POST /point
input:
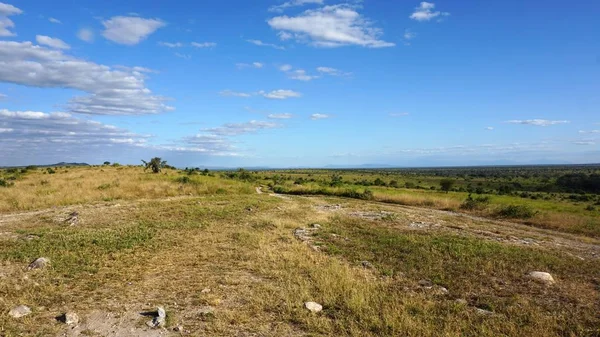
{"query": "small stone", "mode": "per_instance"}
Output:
(178, 328)
(39, 263)
(367, 264)
(71, 318)
(316, 225)
(20, 311)
(483, 312)
(206, 311)
(159, 320)
(313, 306)
(542, 277)
(461, 301)
(205, 291)
(426, 283)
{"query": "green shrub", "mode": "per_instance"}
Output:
(476, 203)
(6, 183)
(50, 170)
(184, 180)
(516, 211)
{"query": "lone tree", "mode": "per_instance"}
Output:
(155, 164)
(106, 163)
(446, 184)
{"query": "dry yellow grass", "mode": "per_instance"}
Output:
(79, 185)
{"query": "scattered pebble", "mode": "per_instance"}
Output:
(316, 225)
(483, 312)
(367, 264)
(542, 277)
(20, 311)
(205, 291)
(313, 306)
(39, 263)
(206, 311)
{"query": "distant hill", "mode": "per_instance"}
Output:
(62, 163)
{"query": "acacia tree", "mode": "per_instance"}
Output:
(446, 184)
(155, 164)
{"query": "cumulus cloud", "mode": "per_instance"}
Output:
(293, 3)
(111, 90)
(203, 44)
(315, 117)
(130, 30)
(280, 94)
(536, 122)
(264, 44)
(51, 42)
(425, 12)
(331, 26)
(86, 35)
(32, 135)
(6, 24)
(231, 93)
(38, 132)
(280, 116)
(53, 20)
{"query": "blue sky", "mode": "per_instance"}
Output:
(289, 83)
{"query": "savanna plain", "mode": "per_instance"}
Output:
(380, 252)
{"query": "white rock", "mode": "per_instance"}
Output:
(205, 290)
(483, 312)
(19, 311)
(542, 277)
(39, 263)
(71, 318)
(313, 306)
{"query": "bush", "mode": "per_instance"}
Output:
(50, 170)
(516, 211)
(183, 180)
(6, 183)
(476, 203)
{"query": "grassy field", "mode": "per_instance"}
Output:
(223, 261)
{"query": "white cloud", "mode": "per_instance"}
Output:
(280, 94)
(301, 75)
(591, 131)
(536, 122)
(398, 114)
(111, 91)
(584, 143)
(256, 65)
(7, 10)
(298, 74)
(284, 36)
(315, 117)
(53, 20)
(424, 12)
(230, 93)
(2, 96)
(331, 26)
(409, 35)
(171, 44)
(204, 44)
(130, 30)
(280, 116)
(293, 3)
(332, 71)
(86, 35)
(489, 128)
(236, 129)
(184, 56)
(52, 42)
(263, 44)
